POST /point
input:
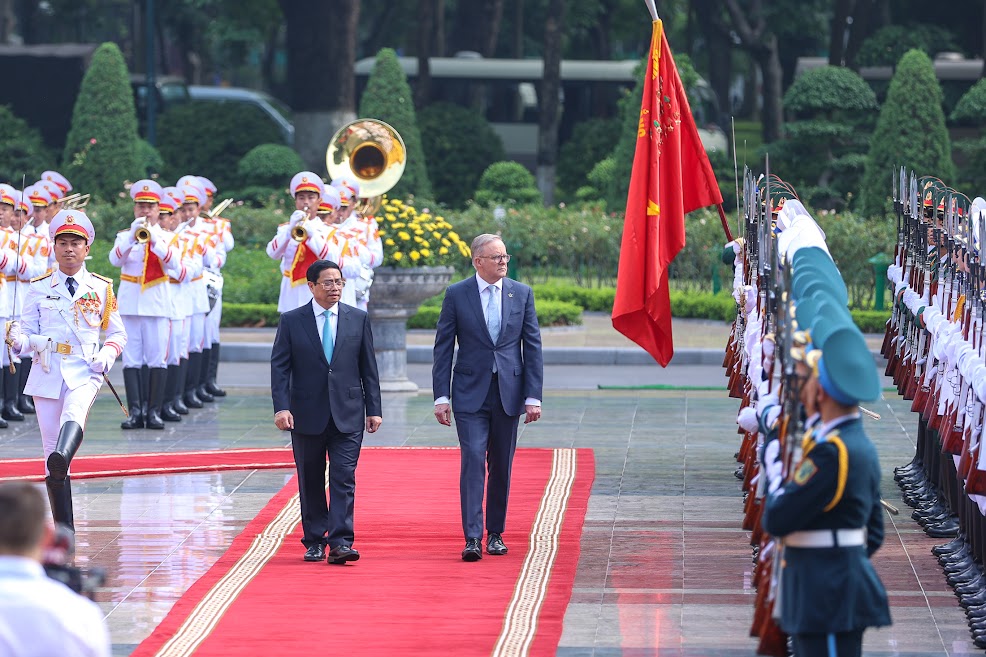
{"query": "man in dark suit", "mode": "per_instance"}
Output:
(323, 379)
(497, 378)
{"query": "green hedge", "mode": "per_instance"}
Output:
(597, 299)
(550, 313)
(701, 305)
(871, 321)
(250, 314)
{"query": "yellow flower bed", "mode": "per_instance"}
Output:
(414, 239)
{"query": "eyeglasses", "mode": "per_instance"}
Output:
(329, 285)
(499, 258)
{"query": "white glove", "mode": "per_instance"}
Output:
(747, 419)
(773, 466)
(103, 361)
(296, 216)
(14, 336)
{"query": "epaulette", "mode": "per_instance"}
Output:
(105, 279)
(125, 230)
(41, 277)
(284, 224)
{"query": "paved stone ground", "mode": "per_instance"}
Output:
(665, 568)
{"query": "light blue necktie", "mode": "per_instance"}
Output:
(328, 340)
(493, 313)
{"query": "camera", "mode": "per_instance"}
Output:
(56, 561)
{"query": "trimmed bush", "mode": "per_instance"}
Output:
(503, 182)
(870, 321)
(596, 299)
(269, 165)
(253, 315)
(257, 196)
(459, 144)
(23, 155)
(151, 162)
(910, 132)
(887, 45)
(388, 97)
(591, 142)
(101, 148)
(209, 139)
(971, 111)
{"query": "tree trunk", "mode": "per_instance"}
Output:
(477, 26)
(426, 29)
(321, 81)
(550, 115)
(439, 44)
(865, 17)
(770, 65)
(837, 31)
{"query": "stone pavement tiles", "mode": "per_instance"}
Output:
(665, 568)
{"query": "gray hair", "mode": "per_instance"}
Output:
(482, 240)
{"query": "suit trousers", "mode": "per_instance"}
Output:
(487, 441)
(330, 524)
(71, 406)
(842, 644)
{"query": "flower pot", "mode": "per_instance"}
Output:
(396, 294)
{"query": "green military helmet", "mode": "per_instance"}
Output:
(829, 318)
(806, 308)
(846, 369)
(728, 255)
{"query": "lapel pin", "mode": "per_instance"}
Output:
(510, 294)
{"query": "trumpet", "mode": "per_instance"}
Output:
(75, 201)
(298, 232)
(216, 211)
(143, 233)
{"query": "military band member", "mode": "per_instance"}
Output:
(203, 245)
(179, 277)
(368, 234)
(315, 243)
(64, 312)
(144, 254)
(223, 233)
(61, 182)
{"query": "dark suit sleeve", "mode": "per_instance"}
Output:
(368, 372)
(280, 367)
(874, 525)
(441, 368)
(533, 362)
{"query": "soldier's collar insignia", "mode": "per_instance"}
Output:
(805, 472)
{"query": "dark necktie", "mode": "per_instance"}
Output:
(71, 284)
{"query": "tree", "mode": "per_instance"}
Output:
(321, 77)
(910, 131)
(388, 98)
(456, 163)
(751, 26)
(971, 112)
(101, 147)
(22, 154)
(550, 115)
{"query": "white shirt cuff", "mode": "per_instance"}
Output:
(530, 401)
(441, 400)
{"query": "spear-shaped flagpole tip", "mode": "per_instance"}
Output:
(652, 8)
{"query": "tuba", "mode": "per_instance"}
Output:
(373, 153)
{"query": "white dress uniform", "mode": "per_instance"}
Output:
(62, 328)
(367, 233)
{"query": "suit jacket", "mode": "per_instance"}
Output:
(301, 381)
(517, 351)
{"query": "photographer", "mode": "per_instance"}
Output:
(39, 616)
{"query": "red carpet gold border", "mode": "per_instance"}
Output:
(207, 614)
(520, 622)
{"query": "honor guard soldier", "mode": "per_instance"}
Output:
(64, 312)
(203, 246)
(301, 241)
(223, 233)
(371, 254)
(144, 254)
(8, 269)
(828, 512)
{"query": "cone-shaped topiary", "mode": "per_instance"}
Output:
(388, 97)
(910, 132)
(101, 148)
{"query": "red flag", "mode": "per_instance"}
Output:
(671, 177)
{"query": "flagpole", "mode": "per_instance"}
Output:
(652, 8)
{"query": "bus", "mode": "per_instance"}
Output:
(589, 89)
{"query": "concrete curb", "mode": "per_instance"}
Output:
(259, 352)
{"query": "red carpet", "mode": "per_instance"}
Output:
(410, 594)
(156, 463)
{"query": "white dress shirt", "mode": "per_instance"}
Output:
(318, 309)
(40, 617)
(484, 301)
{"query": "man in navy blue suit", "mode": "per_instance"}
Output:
(324, 383)
(496, 378)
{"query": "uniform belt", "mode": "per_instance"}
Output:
(130, 279)
(65, 349)
(11, 277)
(826, 538)
(173, 281)
(197, 279)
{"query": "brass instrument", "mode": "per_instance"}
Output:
(143, 234)
(373, 153)
(75, 201)
(298, 232)
(216, 211)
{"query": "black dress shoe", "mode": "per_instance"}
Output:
(340, 554)
(947, 529)
(473, 550)
(494, 544)
(315, 553)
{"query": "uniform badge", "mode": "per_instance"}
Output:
(805, 472)
(90, 306)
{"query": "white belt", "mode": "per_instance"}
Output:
(826, 538)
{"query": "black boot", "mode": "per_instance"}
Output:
(178, 402)
(3, 423)
(11, 383)
(131, 383)
(200, 390)
(24, 402)
(60, 498)
(69, 440)
(158, 376)
(210, 385)
(192, 380)
(145, 390)
(168, 412)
